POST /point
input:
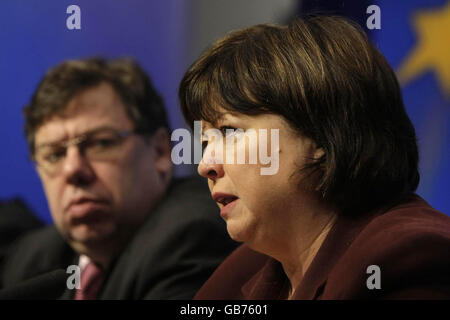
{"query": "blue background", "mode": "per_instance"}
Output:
(425, 101)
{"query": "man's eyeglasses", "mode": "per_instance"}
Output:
(97, 145)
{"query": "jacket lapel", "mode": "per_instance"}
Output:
(336, 243)
(272, 283)
(269, 283)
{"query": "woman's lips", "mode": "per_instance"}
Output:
(228, 201)
(227, 209)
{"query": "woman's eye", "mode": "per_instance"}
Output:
(227, 130)
(204, 145)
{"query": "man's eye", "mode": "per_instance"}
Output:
(54, 156)
(102, 142)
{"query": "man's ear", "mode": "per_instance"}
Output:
(160, 141)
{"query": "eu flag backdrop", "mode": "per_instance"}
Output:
(415, 38)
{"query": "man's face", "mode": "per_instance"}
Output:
(97, 203)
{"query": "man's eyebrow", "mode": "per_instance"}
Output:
(87, 132)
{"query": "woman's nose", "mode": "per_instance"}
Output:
(210, 167)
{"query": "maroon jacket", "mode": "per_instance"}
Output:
(409, 242)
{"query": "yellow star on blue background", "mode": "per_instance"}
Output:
(432, 51)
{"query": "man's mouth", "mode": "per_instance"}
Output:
(86, 210)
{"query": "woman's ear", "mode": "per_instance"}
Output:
(318, 153)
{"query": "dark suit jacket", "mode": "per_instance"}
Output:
(15, 219)
(409, 242)
(172, 254)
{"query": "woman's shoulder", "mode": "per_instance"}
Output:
(408, 246)
(409, 221)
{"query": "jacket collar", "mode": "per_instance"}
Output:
(272, 283)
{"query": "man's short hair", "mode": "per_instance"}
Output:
(142, 103)
(332, 85)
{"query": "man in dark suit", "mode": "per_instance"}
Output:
(98, 133)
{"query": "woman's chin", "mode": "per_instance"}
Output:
(237, 231)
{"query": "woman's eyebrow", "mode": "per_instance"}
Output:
(226, 116)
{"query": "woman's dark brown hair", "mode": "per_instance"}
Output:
(332, 85)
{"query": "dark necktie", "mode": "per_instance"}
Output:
(91, 280)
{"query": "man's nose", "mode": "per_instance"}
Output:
(76, 167)
(210, 168)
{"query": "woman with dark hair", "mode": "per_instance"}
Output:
(339, 219)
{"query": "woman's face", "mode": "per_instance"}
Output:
(258, 207)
